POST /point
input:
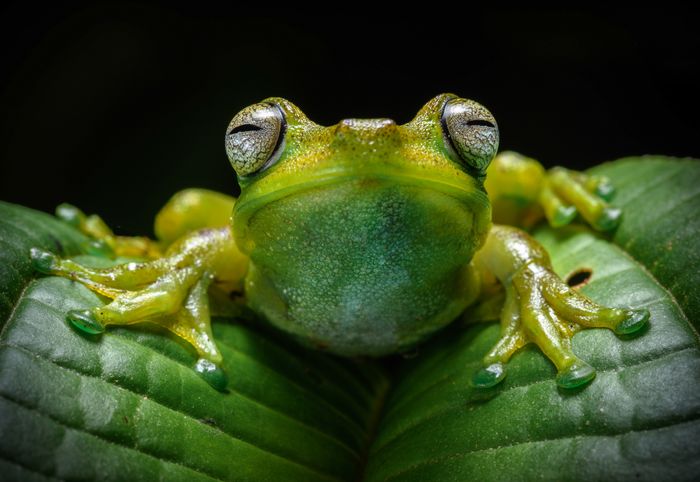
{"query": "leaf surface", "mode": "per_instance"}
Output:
(127, 405)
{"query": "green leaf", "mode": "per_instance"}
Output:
(127, 406)
(639, 419)
(660, 198)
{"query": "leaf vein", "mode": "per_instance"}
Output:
(141, 395)
(451, 409)
(622, 433)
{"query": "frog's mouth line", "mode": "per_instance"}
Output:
(466, 190)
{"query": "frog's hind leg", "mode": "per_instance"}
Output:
(521, 191)
(187, 211)
(104, 241)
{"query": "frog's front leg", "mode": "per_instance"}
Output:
(541, 309)
(170, 291)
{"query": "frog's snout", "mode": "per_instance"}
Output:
(365, 125)
(366, 132)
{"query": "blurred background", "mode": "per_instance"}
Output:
(116, 106)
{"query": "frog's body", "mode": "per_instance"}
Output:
(361, 238)
(358, 276)
(341, 258)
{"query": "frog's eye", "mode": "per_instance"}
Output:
(255, 138)
(470, 132)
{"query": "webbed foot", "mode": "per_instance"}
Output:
(541, 309)
(169, 291)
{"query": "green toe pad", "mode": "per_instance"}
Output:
(85, 320)
(576, 375)
(489, 376)
(213, 374)
(605, 191)
(99, 248)
(69, 214)
(633, 323)
(609, 219)
(563, 216)
(43, 261)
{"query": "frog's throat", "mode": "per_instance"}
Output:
(468, 190)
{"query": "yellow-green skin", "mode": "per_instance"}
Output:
(360, 236)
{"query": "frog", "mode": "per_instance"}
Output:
(361, 239)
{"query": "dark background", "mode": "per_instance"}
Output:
(115, 106)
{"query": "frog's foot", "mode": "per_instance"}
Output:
(103, 241)
(541, 309)
(565, 193)
(170, 292)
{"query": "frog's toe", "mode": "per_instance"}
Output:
(608, 219)
(571, 305)
(70, 214)
(43, 261)
(562, 215)
(635, 321)
(212, 373)
(588, 194)
(576, 375)
(598, 185)
(489, 376)
(86, 321)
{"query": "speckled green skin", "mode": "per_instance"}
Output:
(360, 236)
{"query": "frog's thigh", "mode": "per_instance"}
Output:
(190, 210)
(541, 309)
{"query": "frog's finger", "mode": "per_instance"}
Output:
(92, 225)
(593, 209)
(572, 305)
(104, 242)
(110, 282)
(601, 186)
(557, 213)
(544, 327)
(511, 340)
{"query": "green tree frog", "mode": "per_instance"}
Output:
(360, 239)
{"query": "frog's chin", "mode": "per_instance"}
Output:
(464, 188)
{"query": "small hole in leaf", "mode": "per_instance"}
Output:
(579, 278)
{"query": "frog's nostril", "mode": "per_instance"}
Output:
(365, 125)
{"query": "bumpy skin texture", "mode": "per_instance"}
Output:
(361, 245)
(362, 238)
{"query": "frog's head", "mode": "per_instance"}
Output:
(281, 157)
